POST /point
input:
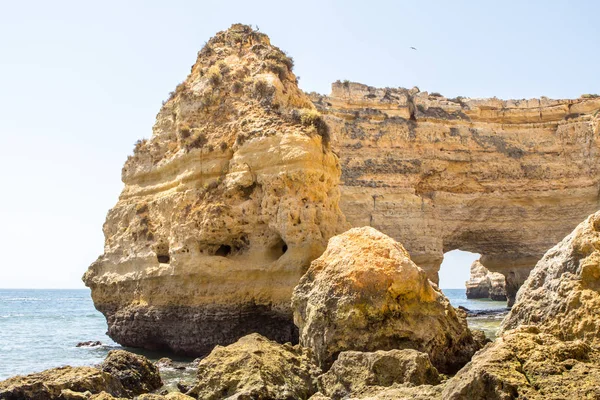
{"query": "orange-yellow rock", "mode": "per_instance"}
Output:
(364, 293)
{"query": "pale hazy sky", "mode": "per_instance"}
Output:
(81, 81)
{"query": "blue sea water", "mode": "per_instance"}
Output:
(39, 329)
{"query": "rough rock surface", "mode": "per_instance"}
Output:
(136, 373)
(60, 383)
(483, 284)
(223, 208)
(355, 372)
(365, 294)
(562, 294)
(256, 368)
(480, 175)
(527, 364)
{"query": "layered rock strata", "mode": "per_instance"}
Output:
(483, 284)
(364, 293)
(505, 179)
(223, 208)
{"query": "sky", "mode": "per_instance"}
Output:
(81, 81)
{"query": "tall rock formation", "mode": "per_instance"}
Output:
(483, 284)
(224, 207)
(505, 179)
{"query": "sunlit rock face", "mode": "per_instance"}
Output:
(223, 208)
(483, 284)
(505, 179)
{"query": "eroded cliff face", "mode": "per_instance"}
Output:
(224, 207)
(505, 179)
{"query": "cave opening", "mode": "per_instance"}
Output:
(278, 248)
(162, 253)
(163, 258)
(224, 250)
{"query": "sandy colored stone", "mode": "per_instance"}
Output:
(53, 383)
(527, 364)
(562, 294)
(365, 294)
(483, 284)
(355, 372)
(479, 175)
(256, 368)
(223, 208)
(169, 396)
(137, 374)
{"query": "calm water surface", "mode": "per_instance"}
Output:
(39, 329)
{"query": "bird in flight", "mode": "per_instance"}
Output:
(414, 48)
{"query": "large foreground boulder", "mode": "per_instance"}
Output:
(562, 294)
(60, 383)
(356, 372)
(365, 294)
(121, 375)
(137, 374)
(527, 364)
(256, 368)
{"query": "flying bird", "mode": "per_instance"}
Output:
(414, 48)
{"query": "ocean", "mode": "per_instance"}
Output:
(39, 329)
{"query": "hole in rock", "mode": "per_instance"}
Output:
(278, 248)
(162, 253)
(163, 259)
(224, 250)
(455, 270)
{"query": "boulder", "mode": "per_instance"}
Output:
(57, 383)
(91, 343)
(136, 373)
(484, 284)
(354, 372)
(164, 362)
(256, 368)
(527, 364)
(562, 294)
(365, 294)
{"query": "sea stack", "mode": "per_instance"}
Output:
(223, 208)
(484, 284)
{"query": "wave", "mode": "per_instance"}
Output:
(12, 315)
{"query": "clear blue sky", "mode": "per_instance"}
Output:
(81, 81)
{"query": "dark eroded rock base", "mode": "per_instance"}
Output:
(194, 331)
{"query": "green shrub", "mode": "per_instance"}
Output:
(236, 87)
(214, 75)
(263, 90)
(139, 144)
(313, 118)
(185, 131)
(590, 96)
(436, 94)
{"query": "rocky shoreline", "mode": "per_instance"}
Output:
(233, 240)
(372, 326)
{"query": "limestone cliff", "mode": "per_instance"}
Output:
(506, 179)
(223, 208)
(483, 284)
